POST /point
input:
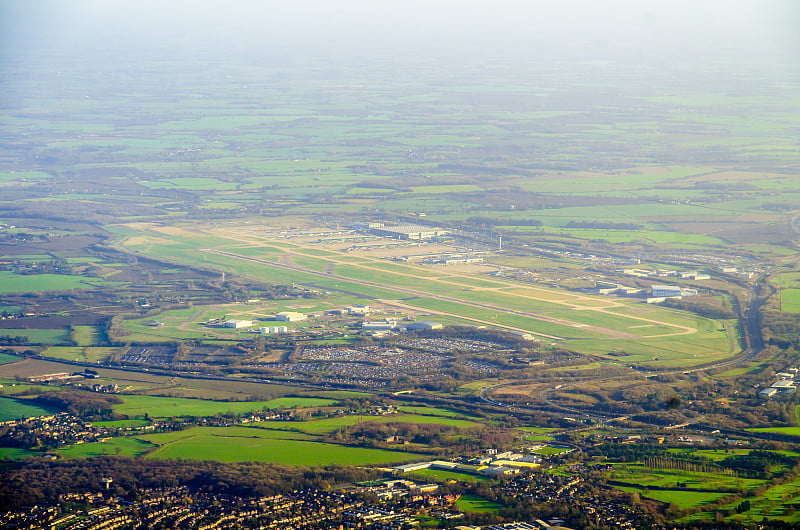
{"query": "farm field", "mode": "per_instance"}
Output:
(331, 424)
(5, 358)
(11, 409)
(15, 283)
(166, 407)
(252, 444)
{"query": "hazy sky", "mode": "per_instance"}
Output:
(607, 29)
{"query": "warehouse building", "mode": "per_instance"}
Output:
(379, 325)
(238, 324)
(665, 291)
(290, 316)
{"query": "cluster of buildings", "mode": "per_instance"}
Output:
(386, 325)
(786, 384)
(657, 293)
(181, 507)
(53, 431)
(283, 316)
(572, 492)
(407, 232)
(665, 273)
(492, 463)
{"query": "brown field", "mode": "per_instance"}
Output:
(152, 383)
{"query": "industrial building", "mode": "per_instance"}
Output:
(290, 316)
(665, 291)
(379, 325)
(238, 324)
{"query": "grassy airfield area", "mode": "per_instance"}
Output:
(652, 335)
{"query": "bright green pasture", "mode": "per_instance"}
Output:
(549, 450)
(243, 444)
(331, 424)
(442, 475)
(166, 407)
(85, 335)
(121, 424)
(790, 300)
(682, 498)
(12, 409)
(791, 431)
(476, 504)
(38, 336)
(123, 446)
(645, 477)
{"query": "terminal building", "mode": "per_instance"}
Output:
(410, 232)
(665, 291)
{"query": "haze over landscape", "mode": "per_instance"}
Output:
(399, 264)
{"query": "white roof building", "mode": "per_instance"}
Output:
(238, 324)
(290, 316)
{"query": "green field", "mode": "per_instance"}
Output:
(85, 335)
(443, 475)
(331, 424)
(120, 424)
(12, 409)
(124, 446)
(13, 453)
(5, 358)
(791, 431)
(681, 498)
(790, 300)
(475, 504)
(668, 479)
(15, 283)
(253, 444)
(38, 336)
(167, 407)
